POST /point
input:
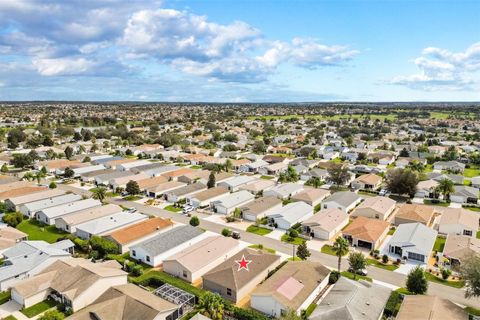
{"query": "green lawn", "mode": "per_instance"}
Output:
(439, 244)
(132, 198)
(112, 194)
(454, 284)
(38, 308)
(472, 311)
(294, 259)
(310, 309)
(4, 296)
(261, 247)
(472, 209)
(441, 204)
(328, 250)
(171, 208)
(10, 317)
(391, 231)
(258, 230)
(37, 231)
(478, 234)
(381, 265)
(297, 241)
(428, 168)
(470, 172)
(350, 275)
(404, 291)
(267, 177)
(196, 167)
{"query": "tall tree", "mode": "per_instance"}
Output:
(212, 306)
(402, 181)
(211, 180)
(68, 173)
(68, 152)
(416, 281)
(341, 248)
(445, 187)
(132, 187)
(338, 174)
(357, 262)
(302, 251)
(470, 271)
(99, 193)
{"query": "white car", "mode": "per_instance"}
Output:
(383, 192)
(187, 209)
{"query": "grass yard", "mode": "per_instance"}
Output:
(453, 284)
(10, 317)
(310, 309)
(439, 244)
(196, 167)
(132, 198)
(381, 265)
(470, 172)
(261, 247)
(38, 308)
(294, 259)
(258, 230)
(472, 311)
(391, 231)
(440, 204)
(297, 241)
(327, 249)
(404, 291)
(350, 275)
(267, 177)
(476, 209)
(172, 208)
(156, 278)
(112, 194)
(37, 231)
(4, 296)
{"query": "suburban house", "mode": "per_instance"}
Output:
(154, 250)
(349, 299)
(81, 170)
(203, 198)
(284, 191)
(421, 307)
(458, 247)
(19, 192)
(14, 203)
(311, 196)
(121, 182)
(128, 301)
(437, 176)
(258, 186)
(459, 221)
(413, 241)
(292, 287)
(287, 216)
(234, 283)
(31, 208)
(260, 207)
(90, 176)
(49, 215)
(75, 283)
(252, 166)
(464, 194)
(426, 189)
(375, 208)
(126, 166)
(157, 191)
(343, 200)
(28, 258)
(476, 182)
(409, 213)
(228, 203)
(9, 237)
(368, 181)
(193, 262)
(150, 182)
(182, 192)
(325, 224)
(233, 184)
(69, 222)
(106, 224)
(138, 232)
(321, 174)
(366, 233)
(452, 166)
(105, 178)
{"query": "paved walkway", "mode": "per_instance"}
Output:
(8, 308)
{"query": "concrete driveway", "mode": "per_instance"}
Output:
(8, 308)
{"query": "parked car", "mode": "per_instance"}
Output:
(383, 192)
(362, 272)
(187, 209)
(132, 210)
(236, 235)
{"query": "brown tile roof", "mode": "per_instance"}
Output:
(10, 236)
(177, 173)
(139, 230)
(228, 275)
(366, 229)
(369, 178)
(59, 164)
(311, 194)
(20, 192)
(416, 212)
(429, 308)
(459, 246)
(150, 182)
(210, 193)
(14, 185)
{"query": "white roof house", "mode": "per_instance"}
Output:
(29, 209)
(228, 203)
(291, 214)
(49, 215)
(15, 202)
(234, 183)
(108, 224)
(326, 223)
(413, 240)
(283, 191)
(69, 222)
(79, 171)
(129, 165)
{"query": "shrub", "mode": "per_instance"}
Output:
(137, 270)
(390, 307)
(194, 221)
(103, 246)
(52, 185)
(81, 244)
(334, 276)
(384, 258)
(226, 232)
(293, 233)
(445, 273)
(13, 219)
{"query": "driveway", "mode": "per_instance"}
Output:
(276, 234)
(8, 308)
(406, 267)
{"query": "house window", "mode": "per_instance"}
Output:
(184, 273)
(467, 233)
(377, 216)
(134, 253)
(148, 258)
(229, 292)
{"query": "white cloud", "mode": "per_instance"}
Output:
(441, 69)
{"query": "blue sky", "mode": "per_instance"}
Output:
(234, 50)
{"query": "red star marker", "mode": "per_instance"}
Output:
(243, 264)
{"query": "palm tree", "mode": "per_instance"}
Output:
(341, 248)
(445, 187)
(211, 305)
(99, 193)
(28, 176)
(39, 176)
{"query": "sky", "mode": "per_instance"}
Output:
(240, 50)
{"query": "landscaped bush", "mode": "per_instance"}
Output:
(137, 270)
(13, 219)
(333, 278)
(226, 232)
(103, 246)
(391, 306)
(293, 233)
(384, 258)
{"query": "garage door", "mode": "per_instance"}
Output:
(364, 244)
